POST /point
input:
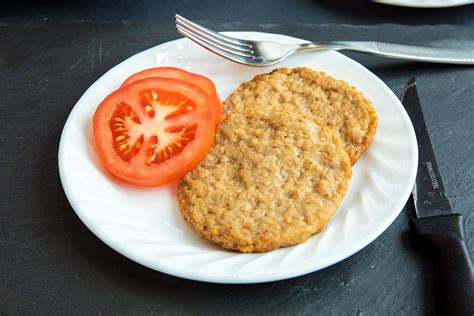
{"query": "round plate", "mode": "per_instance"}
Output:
(426, 3)
(145, 224)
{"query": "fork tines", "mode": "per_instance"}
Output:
(228, 47)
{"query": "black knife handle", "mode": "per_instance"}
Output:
(445, 233)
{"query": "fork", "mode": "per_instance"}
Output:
(266, 53)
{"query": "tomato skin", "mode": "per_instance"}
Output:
(136, 171)
(176, 73)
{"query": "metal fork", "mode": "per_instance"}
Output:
(265, 53)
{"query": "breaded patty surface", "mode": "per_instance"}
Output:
(316, 95)
(272, 179)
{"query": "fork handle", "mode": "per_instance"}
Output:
(407, 52)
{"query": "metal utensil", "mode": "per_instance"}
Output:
(265, 53)
(435, 223)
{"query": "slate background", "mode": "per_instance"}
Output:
(51, 263)
(352, 12)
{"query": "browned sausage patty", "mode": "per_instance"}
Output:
(316, 95)
(272, 179)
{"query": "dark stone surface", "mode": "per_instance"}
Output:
(51, 263)
(256, 11)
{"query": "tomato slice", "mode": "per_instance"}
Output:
(176, 73)
(154, 130)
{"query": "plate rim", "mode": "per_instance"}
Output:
(423, 6)
(183, 273)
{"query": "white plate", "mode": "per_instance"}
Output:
(426, 3)
(145, 224)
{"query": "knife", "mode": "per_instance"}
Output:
(435, 224)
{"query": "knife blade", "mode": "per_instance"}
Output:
(435, 224)
(429, 193)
